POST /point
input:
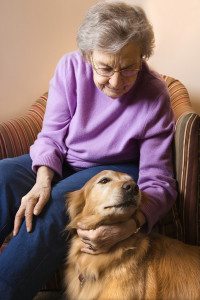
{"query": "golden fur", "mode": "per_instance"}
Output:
(140, 267)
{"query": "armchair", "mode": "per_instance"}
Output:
(183, 220)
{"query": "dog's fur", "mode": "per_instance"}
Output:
(140, 267)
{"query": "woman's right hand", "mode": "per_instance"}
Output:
(35, 200)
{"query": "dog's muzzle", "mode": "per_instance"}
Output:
(129, 192)
(131, 188)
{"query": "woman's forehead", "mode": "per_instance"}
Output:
(129, 54)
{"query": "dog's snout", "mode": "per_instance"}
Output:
(127, 186)
(130, 187)
(136, 189)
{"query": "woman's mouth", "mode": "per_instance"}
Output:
(115, 90)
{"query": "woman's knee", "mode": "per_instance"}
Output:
(7, 170)
(13, 169)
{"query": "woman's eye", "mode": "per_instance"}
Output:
(106, 69)
(104, 180)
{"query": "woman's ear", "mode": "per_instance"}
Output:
(75, 203)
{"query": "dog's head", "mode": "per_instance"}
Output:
(106, 198)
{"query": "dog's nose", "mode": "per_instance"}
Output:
(131, 187)
(127, 186)
(136, 189)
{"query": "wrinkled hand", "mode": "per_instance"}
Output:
(31, 204)
(103, 238)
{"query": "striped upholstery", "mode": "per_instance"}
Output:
(17, 135)
(183, 220)
(187, 167)
(179, 96)
(187, 161)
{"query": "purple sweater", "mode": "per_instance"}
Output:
(86, 128)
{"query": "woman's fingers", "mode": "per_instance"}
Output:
(84, 234)
(92, 250)
(31, 204)
(25, 210)
(89, 244)
(29, 214)
(92, 242)
(18, 219)
(104, 237)
(41, 203)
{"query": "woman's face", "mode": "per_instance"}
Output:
(116, 73)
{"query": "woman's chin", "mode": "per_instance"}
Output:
(113, 93)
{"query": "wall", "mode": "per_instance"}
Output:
(177, 29)
(34, 34)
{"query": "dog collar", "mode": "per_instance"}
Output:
(138, 225)
(81, 279)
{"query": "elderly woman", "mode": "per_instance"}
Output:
(106, 109)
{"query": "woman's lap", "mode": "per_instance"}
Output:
(17, 178)
(30, 257)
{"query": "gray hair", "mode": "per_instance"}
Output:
(109, 26)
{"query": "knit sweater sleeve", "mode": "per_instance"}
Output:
(49, 149)
(156, 170)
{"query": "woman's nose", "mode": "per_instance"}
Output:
(115, 80)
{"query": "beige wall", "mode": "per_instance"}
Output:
(177, 29)
(34, 34)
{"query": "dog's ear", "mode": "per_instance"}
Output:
(75, 203)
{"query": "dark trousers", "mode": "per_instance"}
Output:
(31, 258)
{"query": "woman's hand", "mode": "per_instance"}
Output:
(33, 202)
(103, 238)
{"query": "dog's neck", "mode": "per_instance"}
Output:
(91, 268)
(94, 221)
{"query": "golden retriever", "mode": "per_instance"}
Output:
(141, 267)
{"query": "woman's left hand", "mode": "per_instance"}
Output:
(104, 237)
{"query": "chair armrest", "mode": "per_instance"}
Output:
(187, 158)
(17, 135)
(180, 100)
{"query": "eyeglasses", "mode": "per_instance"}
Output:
(108, 71)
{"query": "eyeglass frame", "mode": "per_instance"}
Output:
(114, 71)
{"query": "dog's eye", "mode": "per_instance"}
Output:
(104, 180)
